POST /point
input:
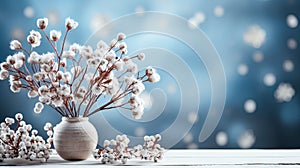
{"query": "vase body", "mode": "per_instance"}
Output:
(75, 138)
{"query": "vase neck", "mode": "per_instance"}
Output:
(75, 119)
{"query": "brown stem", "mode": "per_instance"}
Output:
(52, 45)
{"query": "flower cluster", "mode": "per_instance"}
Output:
(72, 80)
(23, 141)
(118, 150)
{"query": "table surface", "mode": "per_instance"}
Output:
(194, 158)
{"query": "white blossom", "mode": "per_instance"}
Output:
(47, 126)
(15, 45)
(69, 54)
(19, 56)
(131, 67)
(15, 88)
(66, 77)
(150, 71)
(141, 56)
(119, 150)
(119, 65)
(34, 38)
(138, 87)
(102, 45)
(4, 65)
(70, 24)
(43, 90)
(55, 35)
(11, 60)
(42, 23)
(19, 116)
(154, 78)
(75, 47)
(121, 36)
(9, 120)
(4, 74)
(47, 58)
(34, 58)
(57, 101)
(96, 89)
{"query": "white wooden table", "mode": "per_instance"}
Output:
(194, 158)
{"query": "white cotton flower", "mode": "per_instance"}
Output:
(37, 110)
(36, 33)
(9, 120)
(45, 68)
(158, 137)
(114, 43)
(19, 116)
(11, 60)
(135, 100)
(111, 56)
(15, 88)
(57, 101)
(122, 46)
(34, 38)
(119, 65)
(64, 90)
(15, 45)
(131, 67)
(47, 126)
(43, 90)
(121, 36)
(75, 48)
(137, 113)
(55, 35)
(47, 58)
(141, 56)
(42, 23)
(49, 133)
(63, 62)
(4, 65)
(66, 77)
(138, 87)
(45, 99)
(39, 76)
(102, 45)
(96, 89)
(19, 56)
(13, 79)
(70, 24)
(32, 93)
(69, 54)
(154, 78)
(150, 71)
(59, 75)
(34, 58)
(129, 79)
(106, 143)
(103, 64)
(18, 64)
(4, 74)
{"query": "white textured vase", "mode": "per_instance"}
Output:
(75, 138)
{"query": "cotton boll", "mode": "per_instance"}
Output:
(42, 23)
(154, 78)
(55, 35)
(15, 45)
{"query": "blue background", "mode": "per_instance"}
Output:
(273, 124)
